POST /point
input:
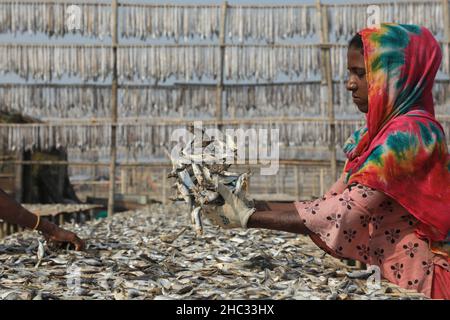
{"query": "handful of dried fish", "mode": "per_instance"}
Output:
(199, 167)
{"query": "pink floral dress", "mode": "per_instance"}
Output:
(360, 223)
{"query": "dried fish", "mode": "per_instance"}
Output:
(186, 62)
(348, 19)
(270, 62)
(176, 22)
(52, 18)
(133, 263)
(197, 182)
(40, 61)
(40, 254)
(269, 23)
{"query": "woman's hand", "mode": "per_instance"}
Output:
(60, 236)
(233, 214)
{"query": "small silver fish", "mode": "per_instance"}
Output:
(207, 174)
(208, 196)
(197, 220)
(241, 183)
(40, 254)
(186, 179)
(198, 174)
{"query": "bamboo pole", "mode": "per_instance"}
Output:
(123, 180)
(98, 122)
(164, 186)
(321, 182)
(446, 16)
(282, 162)
(297, 182)
(18, 177)
(176, 85)
(322, 18)
(46, 2)
(314, 187)
(202, 5)
(113, 154)
(219, 88)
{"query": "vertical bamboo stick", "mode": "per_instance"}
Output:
(164, 186)
(313, 181)
(297, 182)
(219, 88)
(446, 16)
(18, 177)
(327, 80)
(278, 182)
(113, 151)
(321, 182)
(123, 180)
(302, 183)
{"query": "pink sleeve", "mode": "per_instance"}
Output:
(339, 223)
(338, 187)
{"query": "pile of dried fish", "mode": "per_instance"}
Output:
(149, 254)
(51, 18)
(199, 166)
(46, 62)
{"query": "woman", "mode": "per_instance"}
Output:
(13, 212)
(391, 206)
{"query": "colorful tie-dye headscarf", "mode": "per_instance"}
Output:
(402, 150)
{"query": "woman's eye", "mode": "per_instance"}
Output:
(361, 73)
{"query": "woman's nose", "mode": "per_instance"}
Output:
(351, 85)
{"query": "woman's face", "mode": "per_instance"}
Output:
(357, 82)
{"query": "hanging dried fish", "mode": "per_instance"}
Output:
(176, 22)
(269, 63)
(47, 135)
(160, 62)
(48, 61)
(277, 100)
(56, 102)
(51, 18)
(270, 23)
(348, 19)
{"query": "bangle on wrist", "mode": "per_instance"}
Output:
(37, 222)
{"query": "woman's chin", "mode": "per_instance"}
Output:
(362, 107)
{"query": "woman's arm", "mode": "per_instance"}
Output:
(277, 216)
(14, 213)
